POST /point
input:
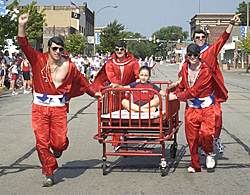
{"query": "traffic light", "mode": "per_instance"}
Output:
(139, 40)
(154, 38)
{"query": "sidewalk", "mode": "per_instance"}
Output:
(241, 71)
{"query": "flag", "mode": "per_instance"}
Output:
(75, 15)
(73, 5)
(2, 8)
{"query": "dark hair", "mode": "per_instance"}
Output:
(199, 31)
(146, 68)
(193, 48)
(120, 44)
(56, 40)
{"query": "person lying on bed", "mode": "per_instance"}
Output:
(146, 96)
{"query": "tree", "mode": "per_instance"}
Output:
(34, 27)
(138, 47)
(110, 35)
(75, 44)
(245, 45)
(171, 33)
(243, 9)
(8, 27)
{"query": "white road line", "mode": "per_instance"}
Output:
(9, 113)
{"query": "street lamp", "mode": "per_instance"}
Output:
(95, 14)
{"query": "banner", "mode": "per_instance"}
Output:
(2, 8)
(243, 31)
(73, 15)
(98, 39)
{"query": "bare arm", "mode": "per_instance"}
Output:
(22, 20)
(10, 68)
(235, 19)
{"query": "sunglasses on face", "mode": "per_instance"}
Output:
(119, 49)
(201, 37)
(192, 54)
(56, 48)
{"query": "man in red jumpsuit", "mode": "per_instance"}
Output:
(121, 69)
(56, 81)
(209, 55)
(197, 88)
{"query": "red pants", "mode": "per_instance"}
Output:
(218, 120)
(199, 126)
(50, 128)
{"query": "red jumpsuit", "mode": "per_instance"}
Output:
(123, 73)
(210, 57)
(199, 121)
(49, 110)
(116, 73)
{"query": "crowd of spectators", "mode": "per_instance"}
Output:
(14, 74)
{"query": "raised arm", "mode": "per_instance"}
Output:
(22, 20)
(234, 20)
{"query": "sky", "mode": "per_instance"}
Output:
(148, 16)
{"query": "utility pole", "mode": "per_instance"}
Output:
(247, 34)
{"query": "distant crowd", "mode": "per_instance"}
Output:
(16, 72)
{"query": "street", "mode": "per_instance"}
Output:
(80, 169)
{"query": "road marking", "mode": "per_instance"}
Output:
(9, 113)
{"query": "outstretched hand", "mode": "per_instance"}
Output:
(24, 18)
(236, 18)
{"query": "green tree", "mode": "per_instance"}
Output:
(8, 27)
(75, 44)
(171, 33)
(110, 35)
(242, 8)
(138, 47)
(34, 27)
(245, 45)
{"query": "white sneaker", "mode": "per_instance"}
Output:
(203, 153)
(14, 93)
(26, 92)
(191, 170)
(210, 162)
(48, 181)
(220, 147)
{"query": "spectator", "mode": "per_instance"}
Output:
(14, 74)
(25, 66)
(3, 72)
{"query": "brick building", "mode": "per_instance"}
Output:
(64, 20)
(215, 25)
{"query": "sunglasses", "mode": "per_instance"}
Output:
(119, 49)
(203, 37)
(192, 54)
(56, 48)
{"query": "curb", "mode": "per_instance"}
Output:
(3, 89)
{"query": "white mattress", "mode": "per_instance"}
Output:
(134, 115)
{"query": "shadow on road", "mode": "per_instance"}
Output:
(147, 164)
(74, 169)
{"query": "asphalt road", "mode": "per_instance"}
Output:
(80, 169)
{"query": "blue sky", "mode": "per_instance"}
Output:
(148, 16)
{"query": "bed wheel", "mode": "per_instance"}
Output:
(173, 150)
(163, 166)
(104, 167)
(163, 172)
